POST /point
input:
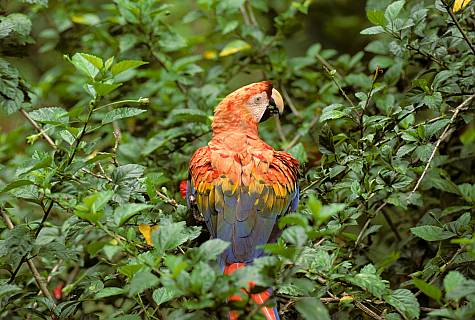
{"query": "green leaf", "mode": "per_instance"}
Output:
(126, 211)
(433, 101)
(332, 112)
(91, 208)
(405, 302)
(392, 11)
(234, 47)
(130, 269)
(369, 280)
(202, 278)
(330, 210)
(311, 308)
(125, 65)
(457, 286)
(299, 152)
(127, 180)
(142, 280)
(164, 294)
(376, 17)
(103, 89)
(428, 289)
(405, 149)
(373, 30)
(108, 292)
(461, 224)
(16, 23)
(315, 207)
(171, 41)
(17, 242)
(9, 290)
(424, 152)
(230, 26)
(121, 113)
(67, 136)
(51, 115)
(452, 280)
(295, 235)
(432, 233)
(82, 62)
(212, 248)
(468, 191)
(16, 184)
(171, 235)
(96, 61)
(108, 63)
(435, 127)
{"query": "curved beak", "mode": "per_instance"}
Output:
(276, 102)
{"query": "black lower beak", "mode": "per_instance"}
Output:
(272, 107)
(271, 110)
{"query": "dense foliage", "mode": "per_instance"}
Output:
(106, 102)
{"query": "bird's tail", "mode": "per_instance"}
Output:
(259, 298)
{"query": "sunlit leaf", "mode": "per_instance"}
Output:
(460, 4)
(234, 47)
(146, 231)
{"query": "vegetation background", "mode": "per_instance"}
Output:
(102, 104)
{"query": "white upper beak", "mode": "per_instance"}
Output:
(279, 102)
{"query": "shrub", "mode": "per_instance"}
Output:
(93, 223)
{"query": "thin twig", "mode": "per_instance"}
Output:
(141, 101)
(37, 232)
(368, 311)
(278, 125)
(427, 55)
(166, 199)
(290, 102)
(81, 135)
(332, 76)
(327, 64)
(244, 15)
(117, 136)
(312, 184)
(41, 283)
(425, 309)
(459, 27)
(251, 13)
(99, 176)
(370, 94)
(50, 141)
(38, 128)
(442, 137)
(163, 65)
(298, 135)
(444, 267)
(360, 235)
(366, 225)
(392, 226)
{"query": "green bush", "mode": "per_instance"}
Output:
(106, 102)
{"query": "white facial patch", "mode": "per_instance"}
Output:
(257, 105)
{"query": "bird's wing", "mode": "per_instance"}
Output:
(244, 214)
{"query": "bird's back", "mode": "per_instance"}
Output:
(241, 186)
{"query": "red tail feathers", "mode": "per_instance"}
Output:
(259, 298)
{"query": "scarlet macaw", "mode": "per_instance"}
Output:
(240, 184)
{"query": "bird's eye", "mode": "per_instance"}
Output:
(258, 99)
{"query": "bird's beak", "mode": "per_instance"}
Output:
(276, 103)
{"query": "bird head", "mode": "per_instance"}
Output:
(246, 107)
(250, 105)
(261, 99)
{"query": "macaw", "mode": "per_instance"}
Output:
(240, 184)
